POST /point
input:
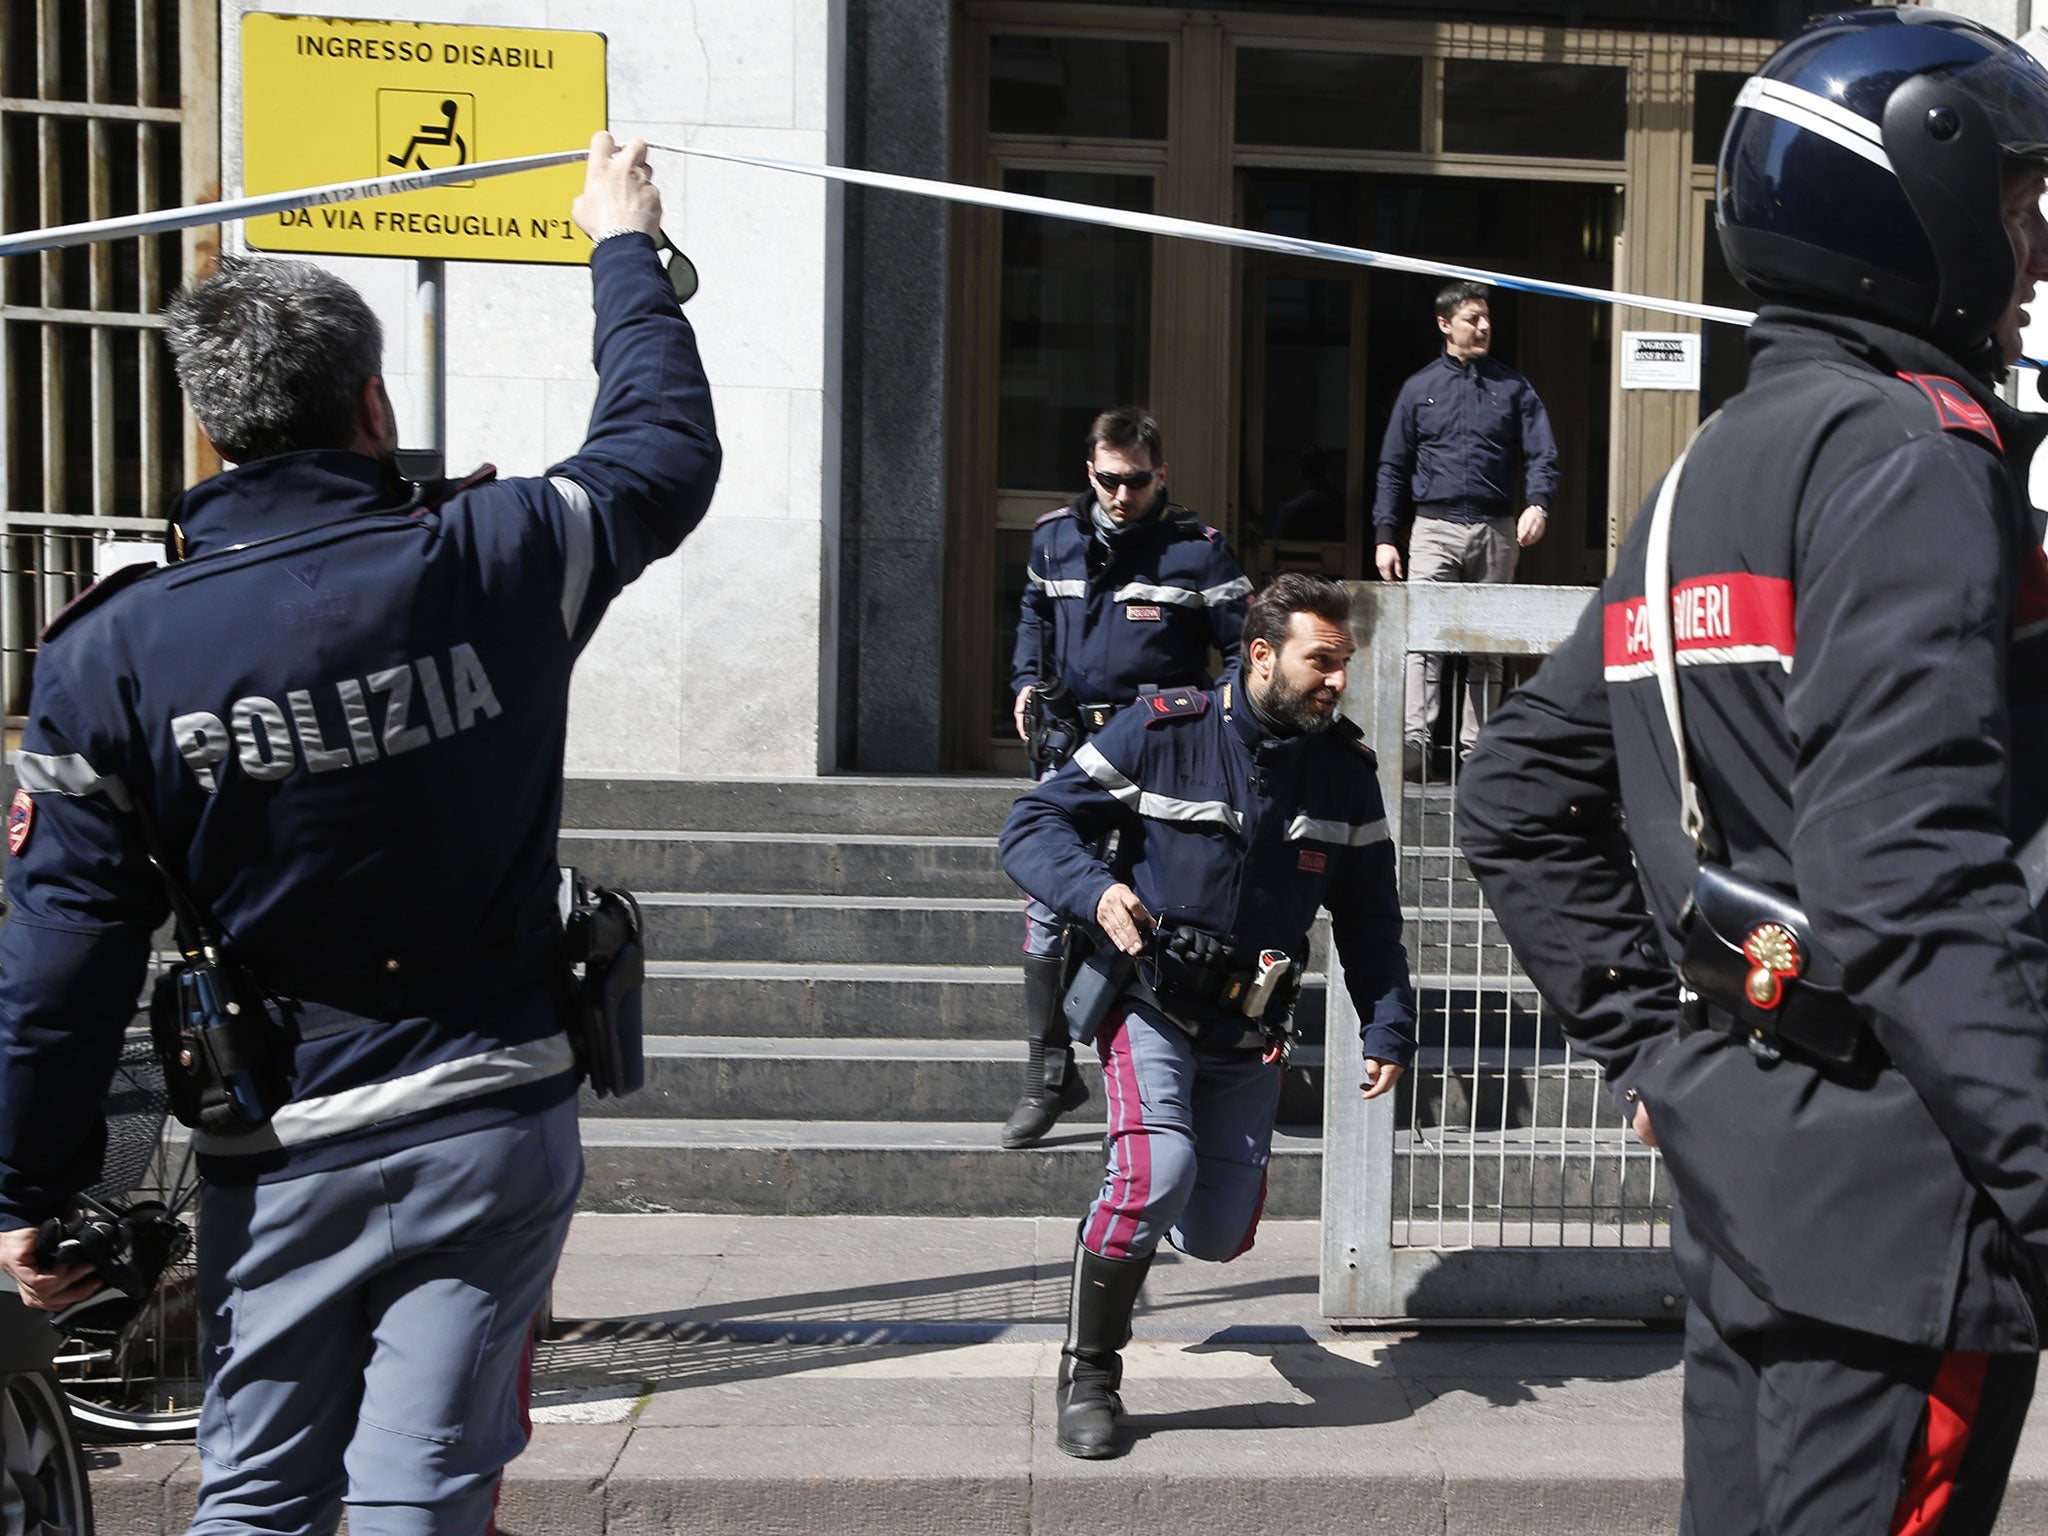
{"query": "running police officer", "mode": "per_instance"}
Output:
(343, 712)
(1126, 593)
(1851, 1085)
(1241, 812)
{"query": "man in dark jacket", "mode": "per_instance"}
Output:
(1466, 435)
(1240, 814)
(1126, 593)
(1851, 1092)
(340, 715)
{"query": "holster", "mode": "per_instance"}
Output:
(226, 1061)
(1751, 953)
(1098, 980)
(1053, 731)
(607, 964)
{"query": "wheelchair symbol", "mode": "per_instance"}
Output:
(433, 137)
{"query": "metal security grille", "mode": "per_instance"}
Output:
(106, 108)
(1503, 1182)
(1506, 1138)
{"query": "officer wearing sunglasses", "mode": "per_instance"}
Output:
(1127, 593)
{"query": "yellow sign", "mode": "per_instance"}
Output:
(327, 100)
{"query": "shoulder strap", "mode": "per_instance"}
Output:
(198, 934)
(1657, 614)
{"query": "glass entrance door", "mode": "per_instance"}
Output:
(1075, 339)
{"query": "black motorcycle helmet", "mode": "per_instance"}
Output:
(1864, 166)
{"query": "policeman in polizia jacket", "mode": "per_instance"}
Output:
(1239, 814)
(1851, 1093)
(343, 709)
(1126, 593)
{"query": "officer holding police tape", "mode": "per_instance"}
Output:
(339, 719)
(1240, 813)
(1126, 592)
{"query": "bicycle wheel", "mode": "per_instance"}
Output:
(144, 1382)
(43, 1488)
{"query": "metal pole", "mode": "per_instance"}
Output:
(433, 299)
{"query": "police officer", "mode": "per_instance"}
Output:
(1241, 812)
(1852, 1091)
(1126, 592)
(343, 713)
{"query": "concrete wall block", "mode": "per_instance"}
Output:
(497, 421)
(756, 481)
(749, 707)
(625, 706)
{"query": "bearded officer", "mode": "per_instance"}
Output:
(1852, 1093)
(1241, 813)
(342, 713)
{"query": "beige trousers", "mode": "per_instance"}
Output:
(1446, 551)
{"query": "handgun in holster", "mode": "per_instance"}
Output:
(607, 963)
(1053, 731)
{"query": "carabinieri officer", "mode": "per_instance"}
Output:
(1240, 813)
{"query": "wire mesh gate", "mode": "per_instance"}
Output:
(1499, 1180)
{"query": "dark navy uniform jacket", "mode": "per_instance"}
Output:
(1860, 613)
(1464, 436)
(346, 713)
(1227, 830)
(1141, 611)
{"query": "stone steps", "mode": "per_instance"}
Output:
(814, 1167)
(833, 1005)
(866, 1079)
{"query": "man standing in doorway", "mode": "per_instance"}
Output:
(1126, 594)
(1469, 444)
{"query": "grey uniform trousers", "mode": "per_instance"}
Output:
(369, 1333)
(1190, 1133)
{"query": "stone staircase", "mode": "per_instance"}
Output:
(833, 1015)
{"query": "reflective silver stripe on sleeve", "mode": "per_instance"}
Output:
(1230, 591)
(1053, 588)
(1348, 834)
(353, 1109)
(1145, 803)
(1139, 592)
(1104, 773)
(41, 773)
(576, 550)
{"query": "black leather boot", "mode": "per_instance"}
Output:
(1052, 1083)
(1091, 1369)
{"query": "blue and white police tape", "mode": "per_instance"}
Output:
(129, 226)
(167, 220)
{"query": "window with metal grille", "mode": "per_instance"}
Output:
(107, 107)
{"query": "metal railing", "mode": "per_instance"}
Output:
(1499, 1180)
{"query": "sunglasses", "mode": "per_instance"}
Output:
(1137, 480)
(682, 272)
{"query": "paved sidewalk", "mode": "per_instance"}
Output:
(869, 1376)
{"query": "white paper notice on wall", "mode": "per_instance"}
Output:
(1660, 360)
